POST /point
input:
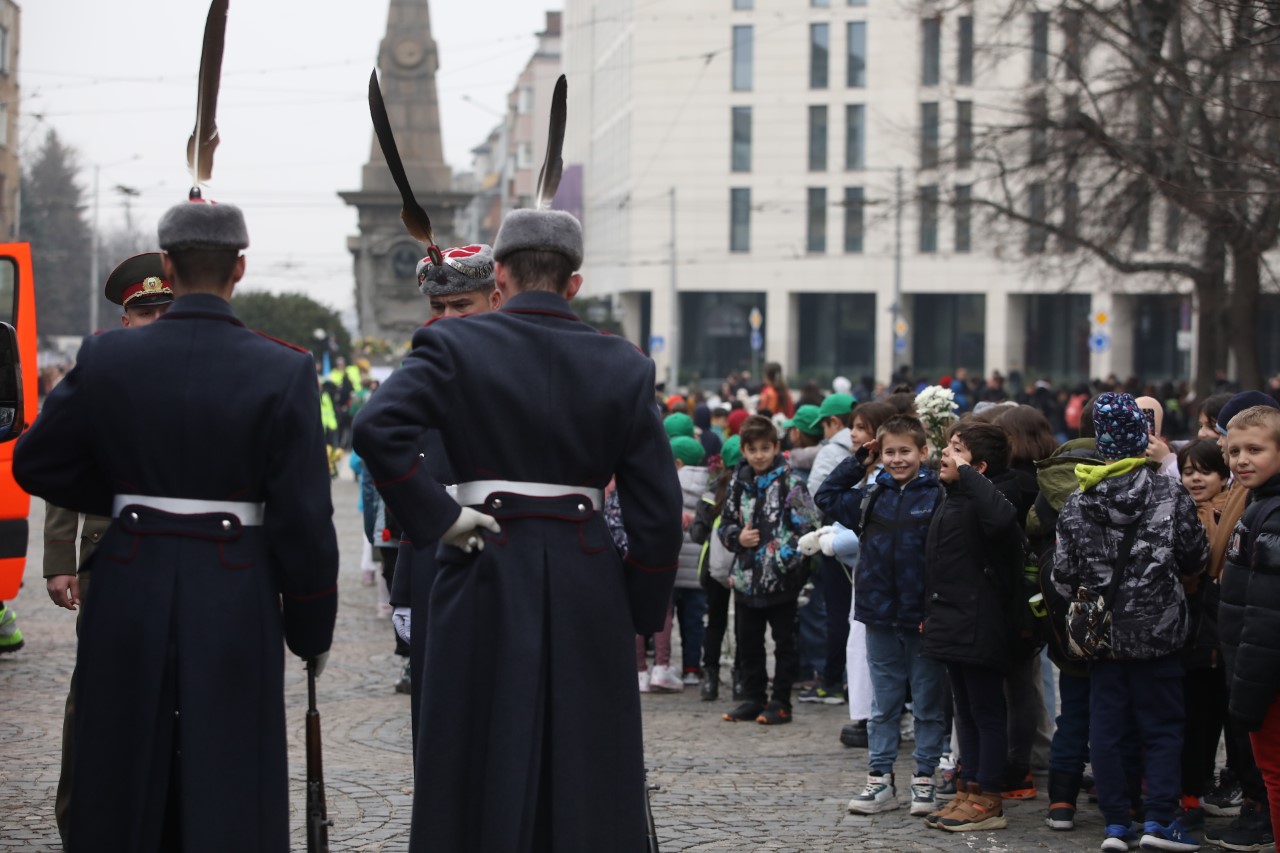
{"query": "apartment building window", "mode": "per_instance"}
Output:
(857, 71)
(854, 211)
(929, 218)
(1070, 216)
(964, 55)
(743, 58)
(524, 101)
(741, 145)
(744, 4)
(817, 139)
(740, 219)
(1036, 231)
(1039, 45)
(1142, 221)
(4, 50)
(820, 4)
(1072, 59)
(816, 242)
(1038, 113)
(4, 124)
(855, 136)
(857, 2)
(931, 51)
(929, 136)
(964, 134)
(524, 156)
(1172, 226)
(819, 55)
(964, 214)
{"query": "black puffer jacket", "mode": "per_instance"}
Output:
(1249, 614)
(973, 551)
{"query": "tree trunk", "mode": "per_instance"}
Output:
(1243, 314)
(1211, 305)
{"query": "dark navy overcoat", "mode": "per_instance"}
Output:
(190, 613)
(530, 736)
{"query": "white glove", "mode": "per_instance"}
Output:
(826, 541)
(318, 663)
(400, 621)
(808, 544)
(465, 532)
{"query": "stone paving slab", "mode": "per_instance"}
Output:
(724, 786)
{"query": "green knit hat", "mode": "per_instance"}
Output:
(678, 424)
(731, 452)
(688, 450)
(807, 419)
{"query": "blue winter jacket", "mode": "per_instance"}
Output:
(889, 578)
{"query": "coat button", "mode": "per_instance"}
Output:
(497, 503)
(95, 537)
(226, 524)
(582, 507)
(133, 516)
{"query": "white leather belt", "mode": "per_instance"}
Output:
(250, 514)
(477, 492)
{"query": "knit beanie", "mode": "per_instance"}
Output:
(688, 450)
(1121, 427)
(731, 453)
(1240, 402)
(736, 417)
(678, 425)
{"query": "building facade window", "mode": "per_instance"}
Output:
(929, 136)
(948, 330)
(964, 53)
(1038, 113)
(715, 331)
(820, 4)
(964, 134)
(930, 51)
(524, 100)
(1072, 54)
(4, 50)
(836, 335)
(854, 213)
(1039, 45)
(855, 136)
(964, 215)
(1172, 226)
(857, 2)
(741, 141)
(743, 58)
(1070, 216)
(817, 138)
(744, 4)
(816, 238)
(929, 219)
(740, 219)
(1057, 335)
(1036, 213)
(4, 124)
(857, 55)
(819, 55)
(1142, 221)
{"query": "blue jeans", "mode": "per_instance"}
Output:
(893, 656)
(812, 630)
(691, 611)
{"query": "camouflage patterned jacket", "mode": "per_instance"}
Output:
(1149, 619)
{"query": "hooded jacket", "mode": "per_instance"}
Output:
(890, 574)
(1149, 617)
(833, 451)
(1249, 615)
(693, 485)
(778, 505)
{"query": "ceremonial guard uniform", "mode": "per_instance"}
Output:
(139, 287)
(201, 438)
(530, 734)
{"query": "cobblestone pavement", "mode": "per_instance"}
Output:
(725, 787)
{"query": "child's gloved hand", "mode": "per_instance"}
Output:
(826, 541)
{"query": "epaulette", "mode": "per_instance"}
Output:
(282, 343)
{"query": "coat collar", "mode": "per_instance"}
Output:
(540, 302)
(202, 306)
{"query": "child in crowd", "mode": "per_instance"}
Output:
(1127, 519)
(689, 599)
(706, 523)
(892, 516)
(1249, 615)
(1204, 476)
(766, 513)
(973, 557)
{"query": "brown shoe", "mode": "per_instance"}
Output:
(947, 810)
(980, 811)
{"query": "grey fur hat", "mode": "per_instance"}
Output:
(541, 230)
(202, 225)
(465, 269)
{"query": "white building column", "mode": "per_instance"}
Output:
(660, 326)
(779, 329)
(1015, 333)
(995, 340)
(884, 331)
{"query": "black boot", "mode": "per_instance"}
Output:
(710, 683)
(1064, 789)
(738, 695)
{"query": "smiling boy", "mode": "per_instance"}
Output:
(892, 516)
(1249, 613)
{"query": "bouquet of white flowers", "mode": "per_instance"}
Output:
(936, 407)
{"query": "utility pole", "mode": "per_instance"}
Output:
(673, 329)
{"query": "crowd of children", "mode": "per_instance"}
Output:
(1154, 581)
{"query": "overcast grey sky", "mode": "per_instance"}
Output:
(117, 81)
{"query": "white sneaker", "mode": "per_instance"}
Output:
(692, 679)
(665, 680)
(923, 795)
(878, 796)
(644, 681)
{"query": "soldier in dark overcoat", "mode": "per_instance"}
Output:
(203, 441)
(530, 736)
